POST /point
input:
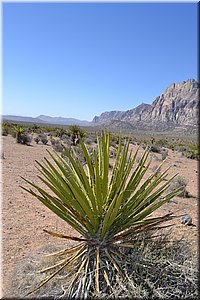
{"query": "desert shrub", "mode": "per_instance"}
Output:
(179, 182)
(109, 212)
(43, 138)
(164, 154)
(192, 151)
(25, 139)
(181, 148)
(192, 154)
(57, 146)
(4, 132)
(53, 141)
(155, 149)
(37, 139)
(170, 271)
(7, 128)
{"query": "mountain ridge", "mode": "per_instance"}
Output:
(176, 107)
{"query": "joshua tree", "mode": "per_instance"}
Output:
(109, 211)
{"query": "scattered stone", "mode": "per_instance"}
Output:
(186, 220)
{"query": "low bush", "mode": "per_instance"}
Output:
(6, 128)
(37, 139)
(157, 270)
(25, 139)
(43, 138)
(4, 132)
(155, 149)
(180, 182)
(164, 154)
(57, 146)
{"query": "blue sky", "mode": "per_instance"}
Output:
(80, 59)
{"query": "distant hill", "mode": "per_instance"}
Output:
(46, 120)
(62, 121)
(21, 119)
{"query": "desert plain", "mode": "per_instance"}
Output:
(24, 217)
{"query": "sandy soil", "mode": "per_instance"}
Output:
(24, 217)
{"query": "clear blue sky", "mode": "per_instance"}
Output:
(80, 59)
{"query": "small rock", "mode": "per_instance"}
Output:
(186, 220)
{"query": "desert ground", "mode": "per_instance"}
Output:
(24, 217)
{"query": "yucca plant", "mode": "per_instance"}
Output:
(109, 211)
(19, 131)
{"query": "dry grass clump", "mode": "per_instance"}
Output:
(156, 268)
(159, 270)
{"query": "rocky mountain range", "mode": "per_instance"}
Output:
(176, 108)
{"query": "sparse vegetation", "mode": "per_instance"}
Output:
(176, 275)
(110, 214)
(170, 272)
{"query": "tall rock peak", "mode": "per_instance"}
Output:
(177, 106)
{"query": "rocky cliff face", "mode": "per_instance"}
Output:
(177, 107)
(108, 116)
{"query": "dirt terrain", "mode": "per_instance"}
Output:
(24, 217)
